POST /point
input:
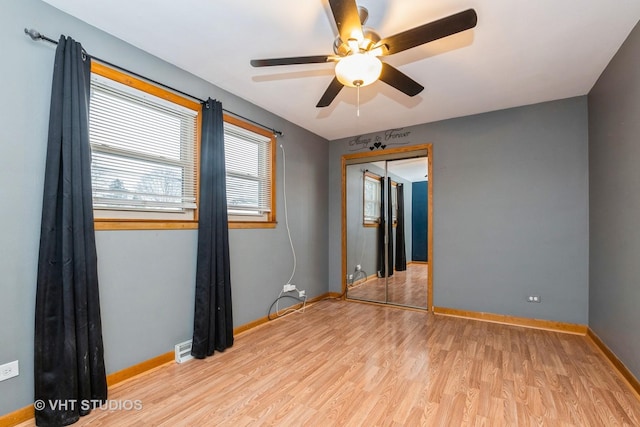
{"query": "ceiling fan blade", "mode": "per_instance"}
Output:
(429, 32)
(345, 13)
(330, 94)
(291, 61)
(399, 80)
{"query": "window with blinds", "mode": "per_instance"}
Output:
(144, 153)
(371, 203)
(249, 163)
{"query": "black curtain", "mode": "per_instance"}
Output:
(381, 233)
(401, 256)
(68, 360)
(385, 252)
(213, 322)
(389, 229)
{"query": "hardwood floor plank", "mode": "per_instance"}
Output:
(343, 363)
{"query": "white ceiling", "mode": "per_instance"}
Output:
(521, 52)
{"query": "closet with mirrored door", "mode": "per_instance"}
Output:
(386, 226)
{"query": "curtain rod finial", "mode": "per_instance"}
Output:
(35, 35)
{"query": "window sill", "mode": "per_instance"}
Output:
(118, 224)
(102, 224)
(251, 224)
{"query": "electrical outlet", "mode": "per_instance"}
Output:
(288, 287)
(358, 267)
(534, 298)
(9, 370)
(302, 294)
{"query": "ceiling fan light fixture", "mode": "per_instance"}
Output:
(354, 45)
(358, 69)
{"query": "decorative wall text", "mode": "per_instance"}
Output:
(380, 141)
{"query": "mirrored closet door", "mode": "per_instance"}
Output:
(386, 229)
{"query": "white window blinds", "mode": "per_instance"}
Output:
(371, 199)
(143, 150)
(248, 167)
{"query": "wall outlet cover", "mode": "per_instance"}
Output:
(9, 370)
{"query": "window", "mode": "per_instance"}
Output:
(249, 159)
(394, 203)
(371, 193)
(144, 151)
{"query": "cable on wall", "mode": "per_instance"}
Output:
(286, 212)
(302, 296)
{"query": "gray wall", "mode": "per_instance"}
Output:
(510, 202)
(146, 277)
(614, 204)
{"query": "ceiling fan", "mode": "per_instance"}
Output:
(357, 49)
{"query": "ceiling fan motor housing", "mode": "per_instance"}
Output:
(370, 37)
(369, 40)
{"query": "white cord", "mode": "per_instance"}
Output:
(289, 309)
(286, 213)
(293, 250)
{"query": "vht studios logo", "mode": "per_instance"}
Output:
(88, 404)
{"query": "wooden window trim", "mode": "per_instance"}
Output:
(152, 224)
(181, 224)
(379, 179)
(270, 221)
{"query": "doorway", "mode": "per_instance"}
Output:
(387, 223)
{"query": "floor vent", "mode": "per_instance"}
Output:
(183, 352)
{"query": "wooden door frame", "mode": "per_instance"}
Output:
(391, 154)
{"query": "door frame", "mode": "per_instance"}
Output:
(391, 154)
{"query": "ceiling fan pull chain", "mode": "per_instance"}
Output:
(358, 101)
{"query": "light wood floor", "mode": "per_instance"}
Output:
(347, 363)
(407, 287)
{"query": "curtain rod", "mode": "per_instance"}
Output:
(35, 35)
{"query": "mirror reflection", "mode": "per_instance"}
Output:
(386, 226)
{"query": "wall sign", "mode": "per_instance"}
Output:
(380, 141)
